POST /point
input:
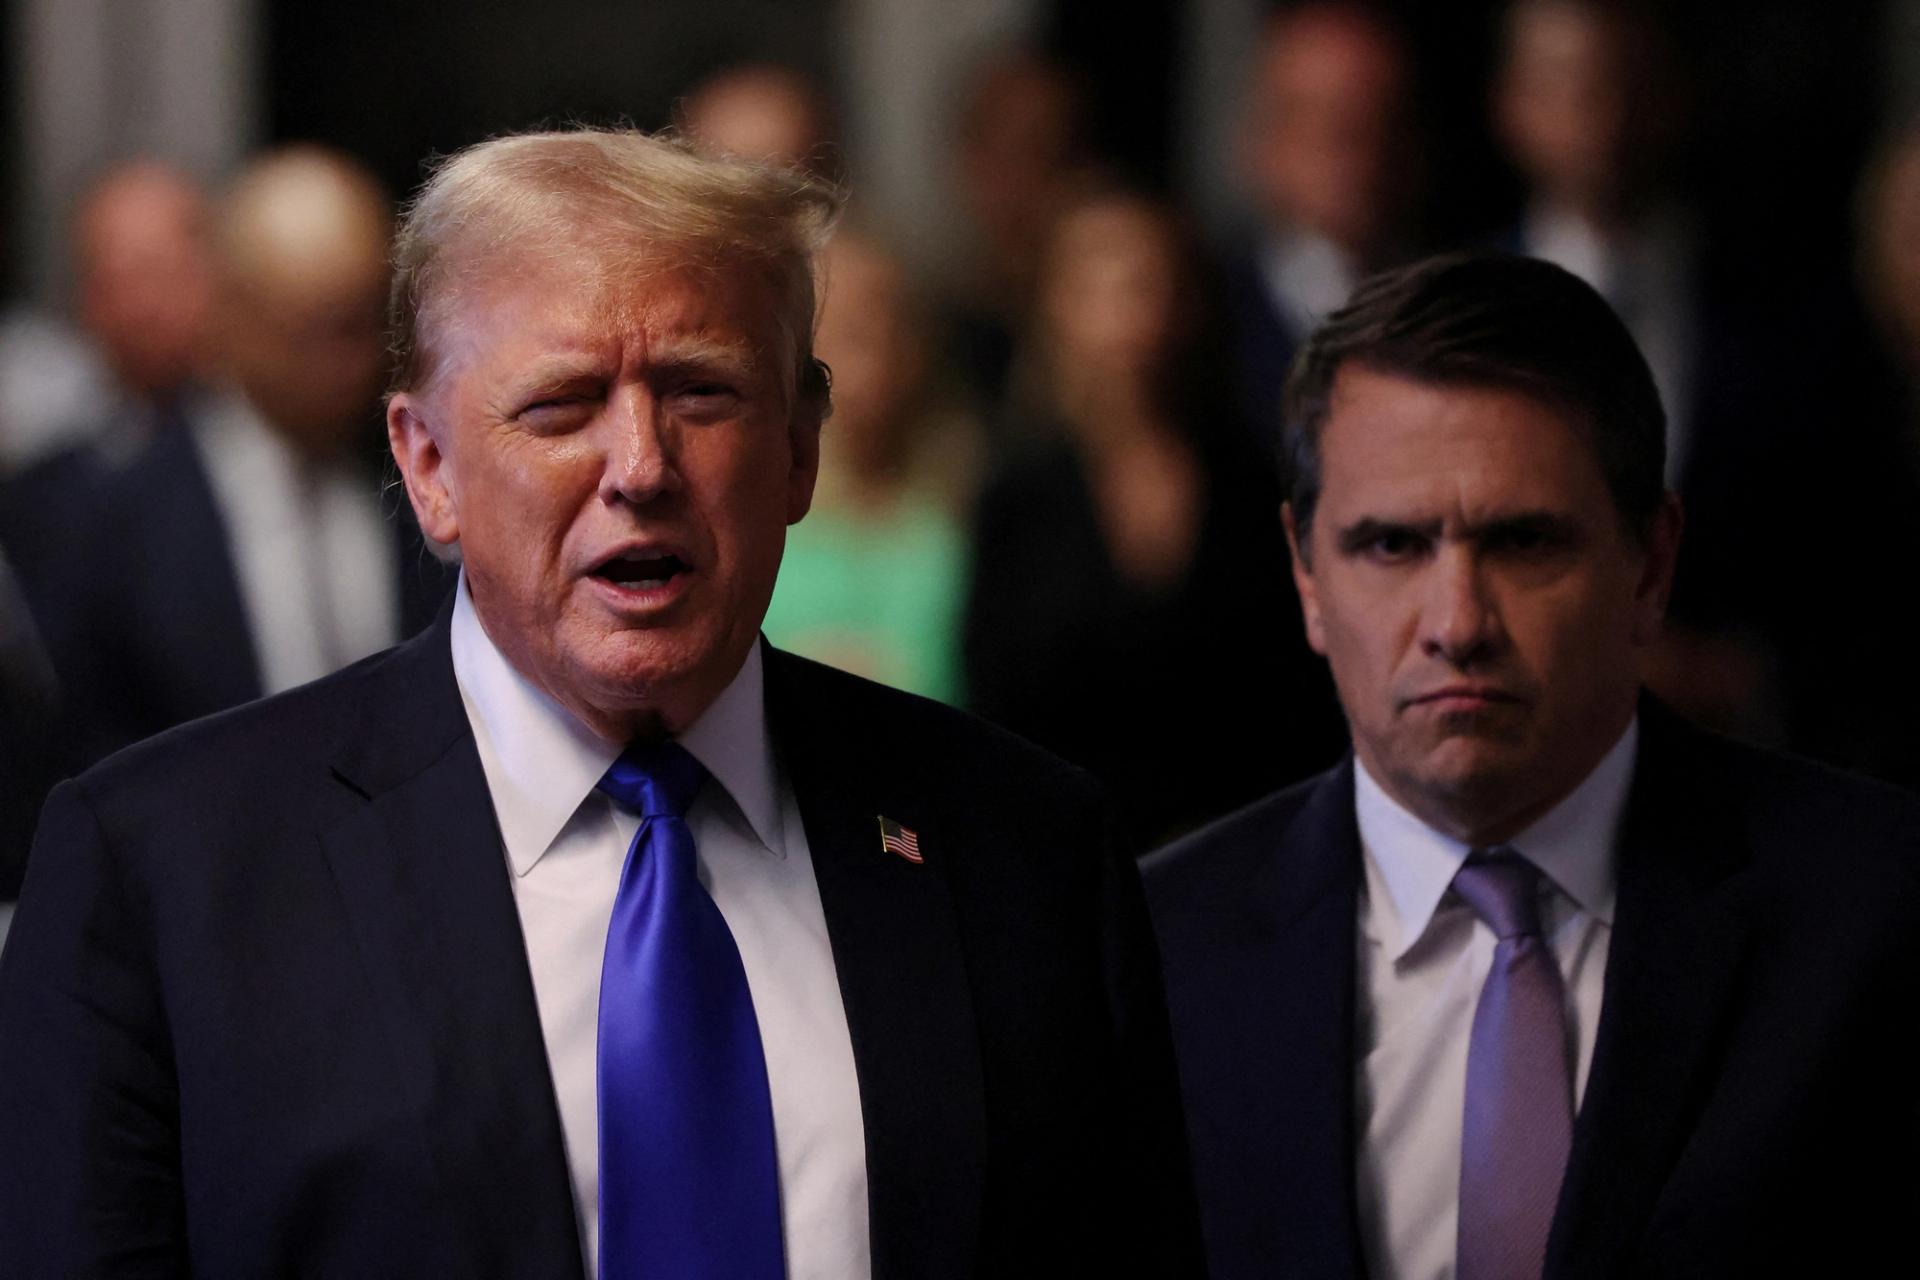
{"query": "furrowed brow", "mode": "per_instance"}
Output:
(556, 371)
(1370, 529)
(694, 354)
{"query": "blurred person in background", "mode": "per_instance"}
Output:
(1326, 155)
(73, 415)
(28, 736)
(1020, 154)
(70, 417)
(1128, 606)
(1586, 106)
(247, 551)
(145, 292)
(874, 578)
(1859, 699)
(143, 287)
(1889, 268)
(764, 111)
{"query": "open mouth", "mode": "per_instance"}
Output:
(638, 572)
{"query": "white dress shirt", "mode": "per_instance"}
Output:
(566, 844)
(1307, 277)
(1423, 958)
(316, 563)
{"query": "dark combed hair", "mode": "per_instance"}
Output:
(1494, 320)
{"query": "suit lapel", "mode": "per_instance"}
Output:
(896, 948)
(1276, 1004)
(424, 882)
(1678, 939)
(1315, 941)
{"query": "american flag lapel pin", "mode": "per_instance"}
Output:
(904, 841)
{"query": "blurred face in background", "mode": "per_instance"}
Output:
(1113, 295)
(618, 456)
(303, 296)
(1477, 595)
(869, 336)
(145, 276)
(760, 112)
(1324, 148)
(1890, 258)
(1019, 159)
(1565, 103)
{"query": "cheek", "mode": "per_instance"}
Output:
(519, 503)
(1363, 630)
(1361, 660)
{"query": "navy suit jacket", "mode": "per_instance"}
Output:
(156, 633)
(1264, 344)
(266, 1007)
(1750, 1110)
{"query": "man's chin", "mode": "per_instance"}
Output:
(1467, 770)
(655, 678)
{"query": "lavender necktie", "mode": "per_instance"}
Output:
(1519, 1107)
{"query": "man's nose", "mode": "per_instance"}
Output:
(1460, 620)
(639, 448)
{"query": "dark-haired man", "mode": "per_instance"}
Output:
(1541, 981)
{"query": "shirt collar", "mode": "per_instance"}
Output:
(1573, 845)
(1308, 274)
(541, 762)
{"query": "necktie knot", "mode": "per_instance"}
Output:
(1503, 890)
(657, 780)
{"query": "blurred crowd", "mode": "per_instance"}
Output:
(1049, 485)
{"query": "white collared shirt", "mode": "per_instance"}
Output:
(1423, 958)
(1307, 277)
(566, 844)
(315, 562)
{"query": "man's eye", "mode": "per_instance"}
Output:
(1524, 539)
(706, 398)
(1394, 544)
(553, 413)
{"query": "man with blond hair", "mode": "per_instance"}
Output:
(586, 934)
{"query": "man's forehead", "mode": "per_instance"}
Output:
(582, 303)
(1396, 444)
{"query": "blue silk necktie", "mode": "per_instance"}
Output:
(689, 1186)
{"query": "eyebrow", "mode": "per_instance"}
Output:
(558, 370)
(688, 353)
(1368, 529)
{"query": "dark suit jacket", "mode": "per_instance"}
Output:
(1750, 1109)
(266, 1007)
(157, 634)
(1265, 342)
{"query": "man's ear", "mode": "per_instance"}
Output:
(424, 469)
(1303, 582)
(803, 445)
(1650, 595)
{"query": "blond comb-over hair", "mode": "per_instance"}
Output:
(632, 200)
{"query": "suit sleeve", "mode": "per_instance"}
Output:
(89, 1108)
(1154, 1139)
